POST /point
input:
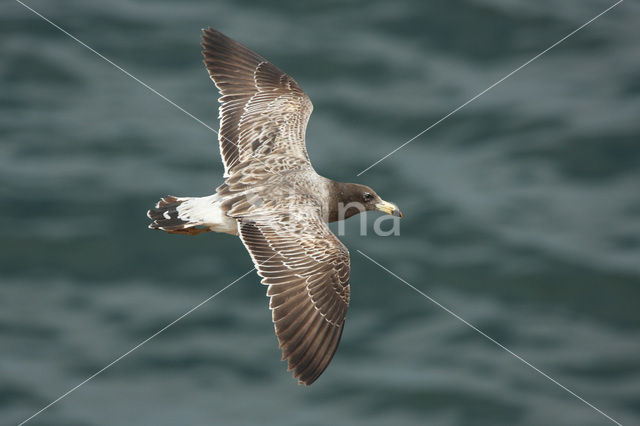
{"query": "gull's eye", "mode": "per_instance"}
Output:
(367, 197)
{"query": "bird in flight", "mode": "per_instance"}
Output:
(274, 200)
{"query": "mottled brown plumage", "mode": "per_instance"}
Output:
(262, 110)
(276, 202)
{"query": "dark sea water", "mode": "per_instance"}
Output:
(522, 214)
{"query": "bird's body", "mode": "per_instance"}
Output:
(277, 203)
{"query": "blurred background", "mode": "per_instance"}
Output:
(522, 213)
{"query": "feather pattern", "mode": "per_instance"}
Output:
(279, 201)
(262, 109)
(307, 272)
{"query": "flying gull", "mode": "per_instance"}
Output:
(277, 203)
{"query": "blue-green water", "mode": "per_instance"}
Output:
(522, 214)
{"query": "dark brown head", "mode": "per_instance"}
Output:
(349, 199)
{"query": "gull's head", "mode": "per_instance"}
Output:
(354, 198)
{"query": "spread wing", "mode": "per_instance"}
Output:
(307, 271)
(262, 109)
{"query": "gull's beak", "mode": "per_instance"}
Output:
(389, 208)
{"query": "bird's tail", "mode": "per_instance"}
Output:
(169, 217)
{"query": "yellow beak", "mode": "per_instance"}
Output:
(389, 208)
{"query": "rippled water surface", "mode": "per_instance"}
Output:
(522, 214)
